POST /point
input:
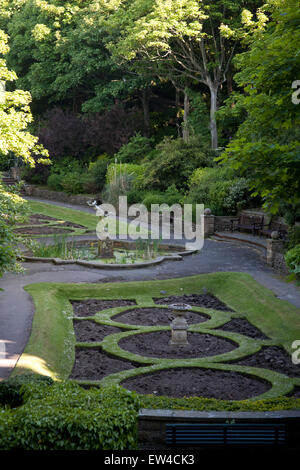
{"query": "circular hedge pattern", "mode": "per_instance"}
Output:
(212, 366)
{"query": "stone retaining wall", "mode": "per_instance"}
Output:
(60, 196)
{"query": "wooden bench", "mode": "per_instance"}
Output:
(254, 223)
(274, 227)
(225, 434)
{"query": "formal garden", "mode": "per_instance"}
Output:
(167, 103)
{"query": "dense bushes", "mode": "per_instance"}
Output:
(173, 162)
(219, 189)
(11, 390)
(72, 178)
(12, 210)
(137, 149)
(292, 258)
(63, 416)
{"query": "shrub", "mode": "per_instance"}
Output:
(292, 258)
(72, 182)
(54, 181)
(97, 171)
(11, 390)
(66, 417)
(133, 172)
(120, 186)
(294, 236)
(169, 197)
(12, 210)
(175, 162)
(218, 189)
(135, 196)
(135, 151)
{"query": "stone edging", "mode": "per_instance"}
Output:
(90, 264)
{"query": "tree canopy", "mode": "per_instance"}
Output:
(266, 146)
(15, 116)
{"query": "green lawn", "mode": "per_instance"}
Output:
(72, 215)
(51, 348)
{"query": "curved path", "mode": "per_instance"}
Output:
(16, 306)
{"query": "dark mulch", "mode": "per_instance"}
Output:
(197, 300)
(94, 364)
(156, 316)
(89, 307)
(87, 331)
(191, 381)
(36, 220)
(70, 224)
(156, 344)
(243, 327)
(273, 358)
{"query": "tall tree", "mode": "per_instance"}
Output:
(194, 39)
(15, 117)
(267, 146)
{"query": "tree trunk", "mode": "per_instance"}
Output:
(213, 121)
(185, 127)
(177, 106)
(146, 111)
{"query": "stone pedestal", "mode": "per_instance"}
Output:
(106, 248)
(179, 330)
(209, 225)
(275, 255)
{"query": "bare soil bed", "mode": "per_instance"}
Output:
(88, 331)
(273, 358)
(42, 230)
(156, 344)
(243, 327)
(156, 317)
(196, 300)
(89, 307)
(94, 364)
(191, 381)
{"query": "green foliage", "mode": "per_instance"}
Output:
(66, 417)
(132, 172)
(266, 147)
(211, 404)
(174, 163)
(294, 236)
(135, 151)
(97, 171)
(15, 117)
(170, 196)
(12, 389)
(292, 258)
(72, 182)
(54, 181)
(219, 189)
(12, 210)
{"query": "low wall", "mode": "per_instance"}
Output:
(60, 196)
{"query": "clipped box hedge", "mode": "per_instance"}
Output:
(63, 416)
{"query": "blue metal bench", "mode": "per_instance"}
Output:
(225, 434)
